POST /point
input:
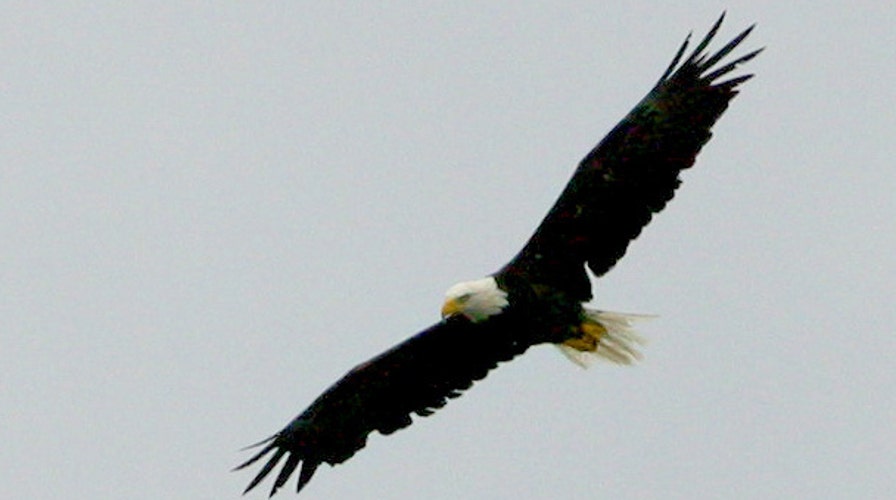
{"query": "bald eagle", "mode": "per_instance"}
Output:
(538, 297)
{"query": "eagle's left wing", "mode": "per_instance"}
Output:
(418, 376)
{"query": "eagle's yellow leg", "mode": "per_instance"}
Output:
(591, 333)
(606, 335)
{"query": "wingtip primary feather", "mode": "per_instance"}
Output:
(676, 59)
(710, 77)
(697, 54)
(256, 445)
(291, 463)
(724, 51)
(268, 466)
(254, 458)
(698, 61)
(308, 468)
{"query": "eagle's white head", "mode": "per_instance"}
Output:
(477, 300)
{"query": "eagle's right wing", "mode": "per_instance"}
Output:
(632, 173)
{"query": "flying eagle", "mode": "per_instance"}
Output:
(538, 297)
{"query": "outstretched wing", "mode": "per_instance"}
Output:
(417, 376)
(633, 172)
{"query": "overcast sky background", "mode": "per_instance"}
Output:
(209, 211)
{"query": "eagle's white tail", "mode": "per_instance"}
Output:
(609, 336)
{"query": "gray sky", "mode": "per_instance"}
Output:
(211, 211)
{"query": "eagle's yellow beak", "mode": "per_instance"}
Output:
(450, 308)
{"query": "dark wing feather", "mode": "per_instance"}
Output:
(632, 173)
(417, 376)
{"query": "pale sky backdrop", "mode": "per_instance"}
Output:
(209, 211)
